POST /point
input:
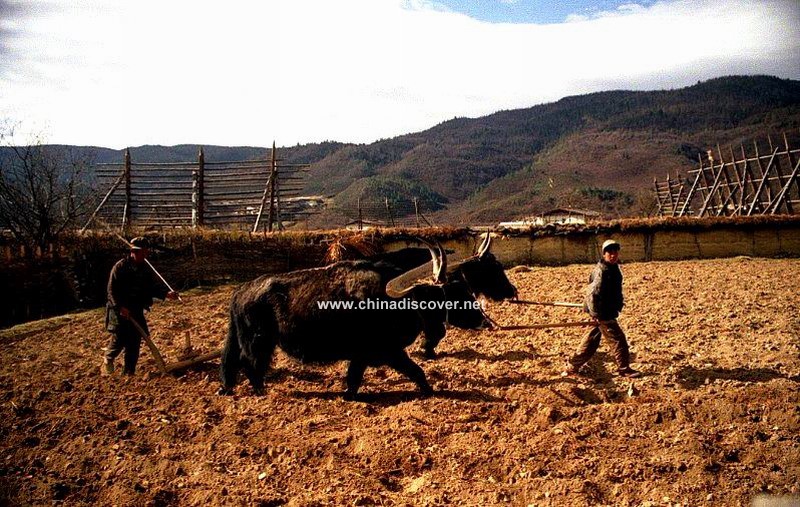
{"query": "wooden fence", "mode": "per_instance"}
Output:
(730, 184)
(250, 194)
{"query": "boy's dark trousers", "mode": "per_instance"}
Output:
(616, 339)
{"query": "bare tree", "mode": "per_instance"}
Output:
(43, 189)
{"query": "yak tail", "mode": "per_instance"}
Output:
(231, 361)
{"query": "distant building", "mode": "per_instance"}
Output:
(568, 216)
(555, 216)
(362, 225)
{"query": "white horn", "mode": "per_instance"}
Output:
(402, 285)
(441, 275)
(485, 244)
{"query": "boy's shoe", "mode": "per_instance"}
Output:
(629, 373)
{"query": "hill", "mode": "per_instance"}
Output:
(598, 151)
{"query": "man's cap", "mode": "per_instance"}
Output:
(139, 243)
(610, 243)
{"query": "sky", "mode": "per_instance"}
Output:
(116, 74)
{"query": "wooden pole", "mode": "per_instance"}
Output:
(201, 177)
(703, 188)
(416, 211)
(541, 303)
(764, 181)
(273, 171)
(690, 195)
(740, 180)
(791, 162)
(749, 177)
(108, 194)
(712, 192)
(263, 202)
(192, 361)
(657, 190)
(781, 197)
(672, 205)
(195, 198)
(277, 184)
(389, 211)
(152, 346)
(679, 182)
(727, 184)
(781, 183)
(126, 212)
(360, 217)
(549, 326)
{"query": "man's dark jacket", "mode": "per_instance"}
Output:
(604, 298)
(133, 287)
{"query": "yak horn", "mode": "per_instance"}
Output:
(439, 261)
(441, 275)
(402, 285)
(487, 242)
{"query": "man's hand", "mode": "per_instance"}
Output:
(124, 312)
(172, 295)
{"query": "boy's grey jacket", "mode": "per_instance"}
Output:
(604, 298)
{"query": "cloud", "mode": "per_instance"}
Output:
(127, 73)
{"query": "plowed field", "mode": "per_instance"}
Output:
(715, 420)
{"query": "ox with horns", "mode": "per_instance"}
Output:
(481, 273)
(283, 311)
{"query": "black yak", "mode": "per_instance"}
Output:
(283, 311)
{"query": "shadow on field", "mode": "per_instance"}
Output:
(692, 378)
(469, 354)
(389, 398)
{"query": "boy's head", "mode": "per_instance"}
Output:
(611, 251)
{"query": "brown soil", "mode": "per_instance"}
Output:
(714, 421)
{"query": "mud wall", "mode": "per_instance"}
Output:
(649, 244)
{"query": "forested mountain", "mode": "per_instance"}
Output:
(598, 151)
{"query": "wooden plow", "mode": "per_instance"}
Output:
(188, 358)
